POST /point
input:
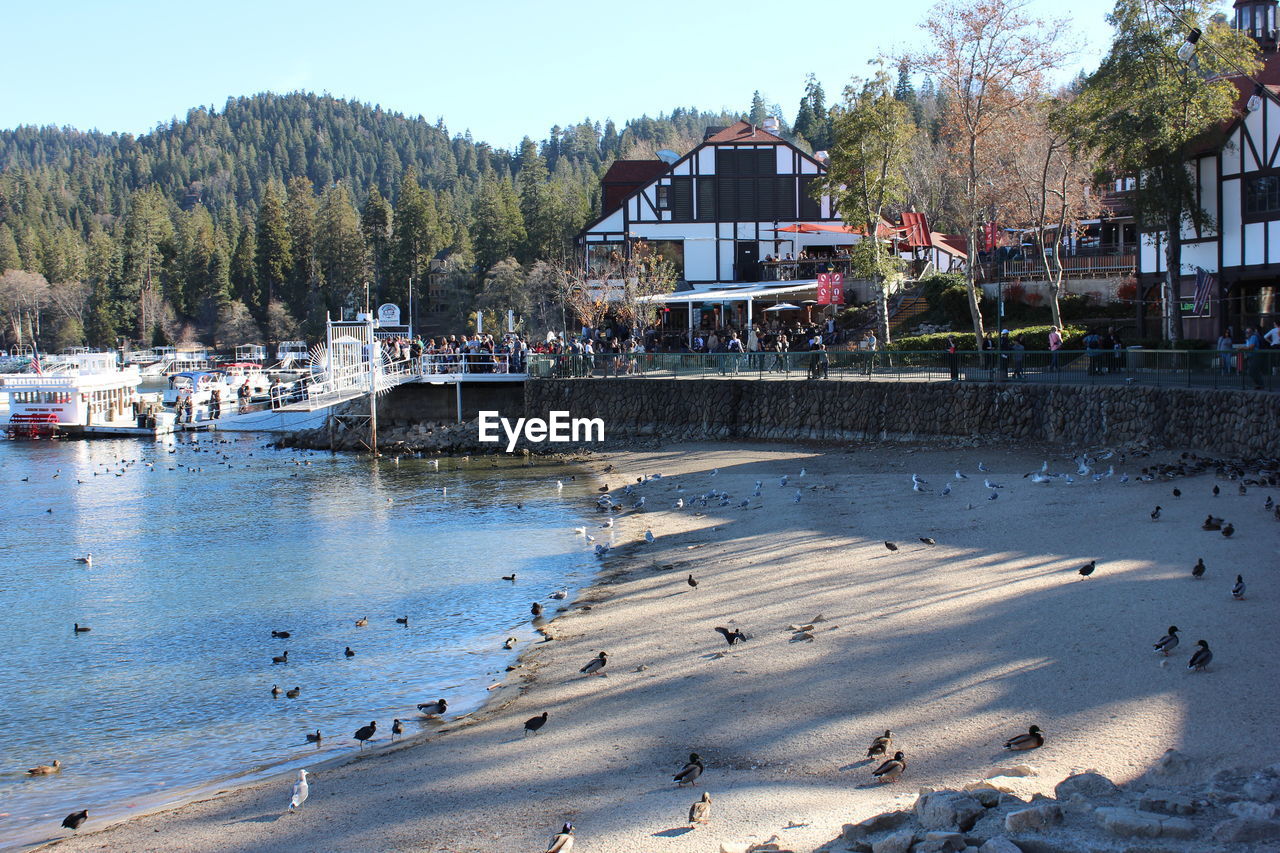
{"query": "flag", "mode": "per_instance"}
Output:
(1205, 282)
(35, 363)
(991, 236)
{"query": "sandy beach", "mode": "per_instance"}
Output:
(955, 646)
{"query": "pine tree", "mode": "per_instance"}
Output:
(340, 248)
(759, 112)
(413, 232)
(244, 265)
(9, 257)
(275, 254)
(537, 206)
(375, 223)
(300, 213)
(148, 244)
(499, 229)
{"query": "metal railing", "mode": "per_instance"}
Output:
(468, 363)
(1133, 366)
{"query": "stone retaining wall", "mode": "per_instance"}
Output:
(1228, 423)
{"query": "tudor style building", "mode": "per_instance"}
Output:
(1238, 184)
(717, 212)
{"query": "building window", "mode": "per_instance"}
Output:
(602, 257)
(664, 196)
(669, 252)
(1262, 195)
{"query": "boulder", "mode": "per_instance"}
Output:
(948, 810)
(1172, 763)
(1245, 830)
(899, 842)
(989, 797)
(1033, 819)
(875, 823)
(1015, 770)
(991, 784)
(1088, 784)
(1131, 823)
(1262, 811)
(999, 844)
(1167, 803)
(941, 842)
(1262, 787)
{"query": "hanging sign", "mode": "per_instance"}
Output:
(837, 288)
(824, 289)
(389, 315)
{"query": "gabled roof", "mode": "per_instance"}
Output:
(953, 244)
(746, 133)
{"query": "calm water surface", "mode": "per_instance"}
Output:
(192, 569)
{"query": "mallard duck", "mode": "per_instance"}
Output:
(1237, 591)
(689, 774)
(880, 746)
(1168, 642)
(1201, 658)
(365, 733)
(75, 819)
(700, 812)
(1033, 739)
(360, 623)
(595, 664)
(433, 709)
(1228, 529)
(891, 769)
(562, 842)
(46, 769)
(1211, 523)
(536, 610)
(1197, 571)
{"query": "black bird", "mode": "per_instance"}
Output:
(283, 635)
(595, 664)
(433, 709)
(731, 637)
(891, 546)
(81, 629)
(1228, 529)
(1269, 505)
(1237, 591)
(315, 738)
(689, 774)
(397, 728)
(1177, 493)
(536, 609)
(73, 820)
(510, 577)
(1216, 491)
(1155, 514)
(1211, 523)
(534, 723)
(1197, 571)
(365, 732)
(349, 653)
(603, 488)
(284, 658)
(1087, 568)
(928, 540)
(1168, 642)
(880, 746)
(403, 620)
(1201, 658)
(693, 583)
(1243, 490)
(294, 693)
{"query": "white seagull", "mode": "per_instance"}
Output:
(649, 537)
(982, 468)
(960, 476)
(715, 471)
(300, 791)
(802, 472)
(991, 485)
(946, 490)
(680, 503)
(559, 485)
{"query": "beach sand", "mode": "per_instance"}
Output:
(955, 647)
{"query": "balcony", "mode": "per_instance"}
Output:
(1099, 262)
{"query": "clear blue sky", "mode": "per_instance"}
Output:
(500, 68)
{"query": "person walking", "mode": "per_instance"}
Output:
(1253, 358)
(870, 344)
(1018, 349)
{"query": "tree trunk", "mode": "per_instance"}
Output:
(971, 278)
(882, 308)
(1169, 300)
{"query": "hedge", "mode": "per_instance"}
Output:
(1033, 338)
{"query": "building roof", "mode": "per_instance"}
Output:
(953, 244)
(744, 132)
(634, 171)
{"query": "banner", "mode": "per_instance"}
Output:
(991, 236)
(824, 289)
(837, 288)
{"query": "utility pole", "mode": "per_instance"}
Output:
(375, 358)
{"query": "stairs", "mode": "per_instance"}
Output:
(906, 314)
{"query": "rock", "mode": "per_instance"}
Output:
(1089, 784)
(875, 823)
(1246, 830)
(992, 784)
(989, 797)
(948, 810)
(999, 844)
(1033, 819)
(941, 842)
(1172, 763)
(899, 842)
(1015, 770)
(1263, 787)
(1254, 810)
(1131, 823)
(1167, 803)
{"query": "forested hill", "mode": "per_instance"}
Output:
(291, 199)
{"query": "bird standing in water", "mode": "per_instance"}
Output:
(433, 709)
(301, 790)
(365, 733)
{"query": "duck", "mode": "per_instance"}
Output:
(364, 733)
(281, 658)
(1201, 658)
(294, 693)
(87, 559)
(562, 842)
(275, 691)
(692, 582)
(731, 637)
(534, 723)
(360, 623)
(880, 746)
(80, 629)
(700, 812)
(1197, 571)
(349, 653)
(433, 709)
(397, 728)
(692, 769)
(1211, 523)
(1155, 513)
(1033, 739)
(891, 546)
(1168, 642)
(510, 643)
(536, 610)
(892, 769)
(315, 738)
(75, 819)
(46, 769)
(595, 665)
(511, 577)
(1087, 568)
(282, 635)
(1237, 591)
(1228, 529)
(402, 620)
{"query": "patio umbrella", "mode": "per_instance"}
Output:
(784, 306)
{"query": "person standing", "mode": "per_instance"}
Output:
(1018, 349)
(953, 359)
(870, 344)
(1055, 344)
(1253, 359)
(215, 401)
(1225, 347)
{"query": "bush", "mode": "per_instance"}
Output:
(1033, 338)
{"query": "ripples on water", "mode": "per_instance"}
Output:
(192, 571)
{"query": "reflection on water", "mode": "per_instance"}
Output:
(201, 549)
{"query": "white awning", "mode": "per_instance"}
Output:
(734, 292)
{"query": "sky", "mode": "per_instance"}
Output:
(500, 68)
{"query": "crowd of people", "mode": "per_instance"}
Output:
(461, 353)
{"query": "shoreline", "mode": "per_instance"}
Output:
(783, 743)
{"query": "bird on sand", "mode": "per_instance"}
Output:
(892, 769)
(1177, 493)
(731, 637)
(649, 537)
(560, 594)
(293, 693)
(349, 653)
(1228, 529)
(360, 623)
(562, 841)
(281, 658)
(364, 733)
(315, 738)
(536, 609)
(1211, 523)
(1197, 571)
(1168, 642)
(960, 476)
(397, 728)
(534, 723)
(1237, 591)
(700, 812)
(595, 664)
(928, 540)
(46, 769)
(1033, 739)
(692, 769)
(1155, 514)
(881, 745)
(433, 709)
(81, 629)
(1201, 658)
(891, 546)
(87, 559)
(75, 819)
(1087, 568)
(282, 635)
(301, 790)
(1216, 491)
(402, 620)
(692, 581)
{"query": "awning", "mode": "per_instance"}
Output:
(816, 228)
(733, 293)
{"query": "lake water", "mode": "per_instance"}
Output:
(201, 547)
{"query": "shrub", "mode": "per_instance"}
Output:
(1033, 338)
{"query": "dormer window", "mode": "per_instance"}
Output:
(1257, 18)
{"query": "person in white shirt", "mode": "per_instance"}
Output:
(1273, 335)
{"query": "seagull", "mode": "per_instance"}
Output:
(960, 476)
(1168, 642)
(797, 497)
(560, 594)
(1201, 658)
(559, 485)
(700, 812)
(991, 485)
(680, 503)
(602, 548)
(917, 487)
(581, 531)
(364, 733)
(87, 559)
(915, 479)
(1040, 478)
(1237, 591)
(715, 471)
(982, 468)
(803, 471)
(608, 522)
(563, 840)
(692, 769)
(301, 790)
(946, 490)
(649, 537)
(993, 496)
(783, 481)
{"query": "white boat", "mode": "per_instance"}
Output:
(292, 355)
(241, 373)
(164, 361)
(84, 393)
(204, 394)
